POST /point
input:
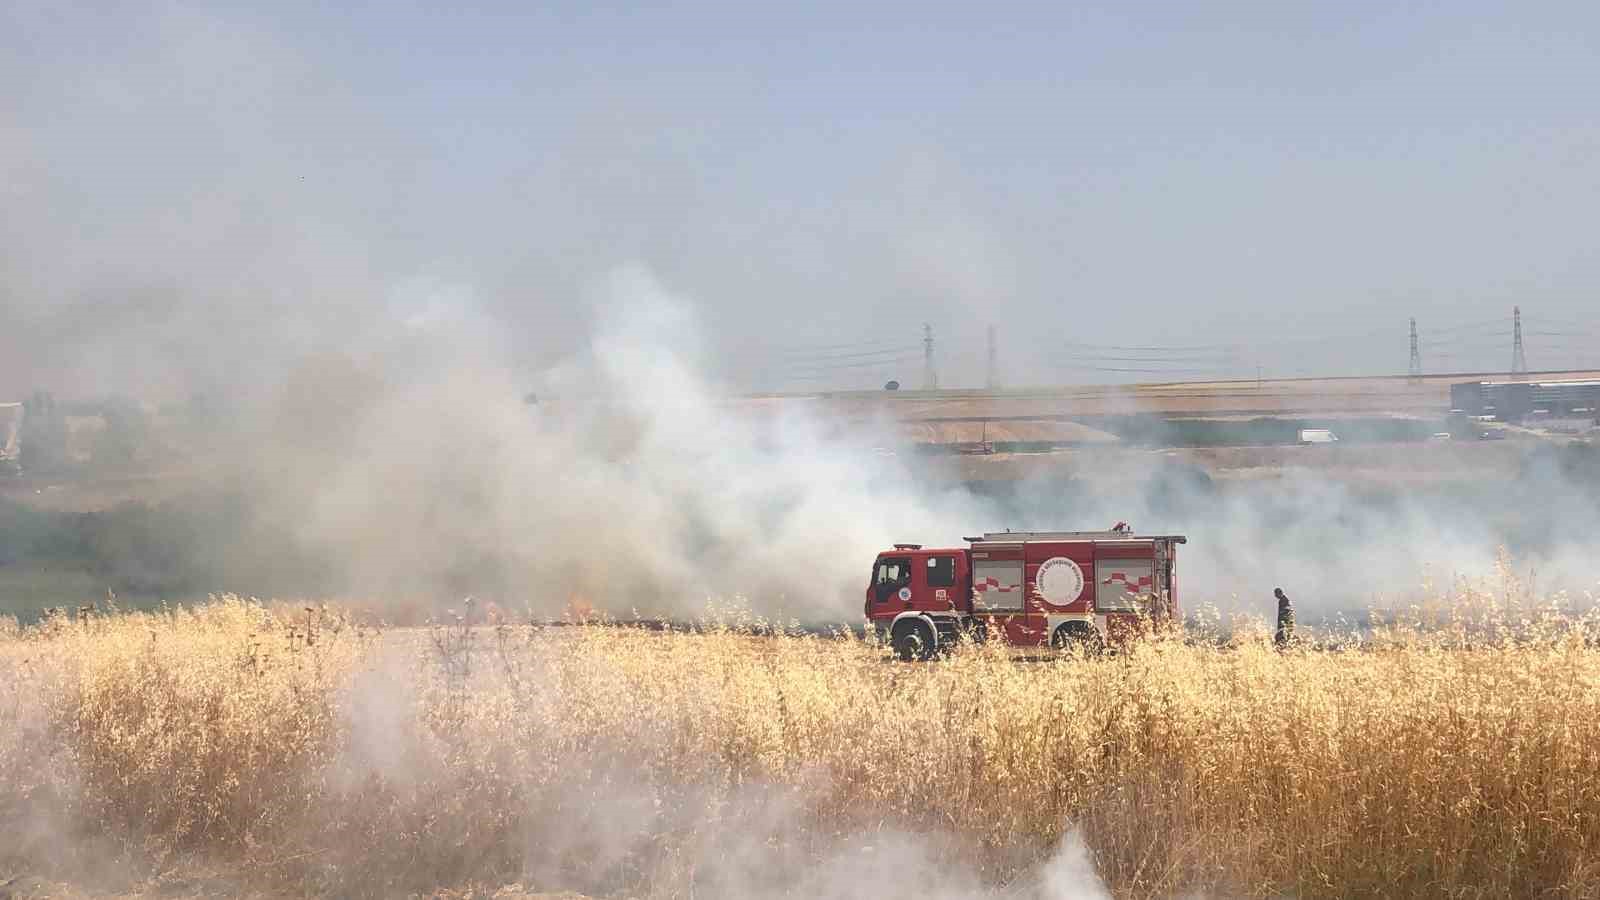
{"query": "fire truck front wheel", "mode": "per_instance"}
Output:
(912, 640)
(1077, 635)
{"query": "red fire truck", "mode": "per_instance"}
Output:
(1034, 588)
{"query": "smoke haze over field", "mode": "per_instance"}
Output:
(407, 469)
(638, 487)
(366, 234)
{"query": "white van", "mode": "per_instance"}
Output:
(1317, 436)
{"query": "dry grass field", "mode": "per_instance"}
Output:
(245, 748)
(1428, 395)
(1398, 465)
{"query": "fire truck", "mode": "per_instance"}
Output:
(1061, 589)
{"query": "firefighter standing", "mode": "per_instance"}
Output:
(1285, 634)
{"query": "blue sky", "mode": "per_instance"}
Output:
(1254, 183)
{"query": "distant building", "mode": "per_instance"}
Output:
(42, 437)
(1513, 401)
(10, 432)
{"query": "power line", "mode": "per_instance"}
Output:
(820, 376)
(1150, 352)
(1461, 330)
(1152, 359)
(1561, 321)
(1479, 336)
(1322, 339)
(1146, 349)
(858, 364)
(1071, 366)
(1460, 341)
(828, 348)
(1451, 329)
(903, 348)
(1482, 341)
(1235, 346)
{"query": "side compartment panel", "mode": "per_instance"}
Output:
(997, 582)
(1059, 576)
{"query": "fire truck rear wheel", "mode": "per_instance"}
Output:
(1084, 638)
(913, 640)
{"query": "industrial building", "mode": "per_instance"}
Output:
(1514, 401)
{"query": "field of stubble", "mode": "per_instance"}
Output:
(240, 748)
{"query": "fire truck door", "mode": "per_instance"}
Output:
(891, 583)
(942, 577)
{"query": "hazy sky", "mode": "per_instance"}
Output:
(197, 196)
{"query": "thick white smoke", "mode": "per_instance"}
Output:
(637, 482)
(633, 482)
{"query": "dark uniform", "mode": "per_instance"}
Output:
(1285, 633)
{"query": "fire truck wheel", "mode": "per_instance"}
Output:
(913, 640)
(1076, 635)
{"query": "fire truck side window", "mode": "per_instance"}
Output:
(941, 571)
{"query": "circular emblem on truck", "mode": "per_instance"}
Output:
(905, 595)
(1059, 581)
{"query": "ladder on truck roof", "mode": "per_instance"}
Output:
(1014, 536)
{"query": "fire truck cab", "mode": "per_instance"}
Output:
(1031, 589)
